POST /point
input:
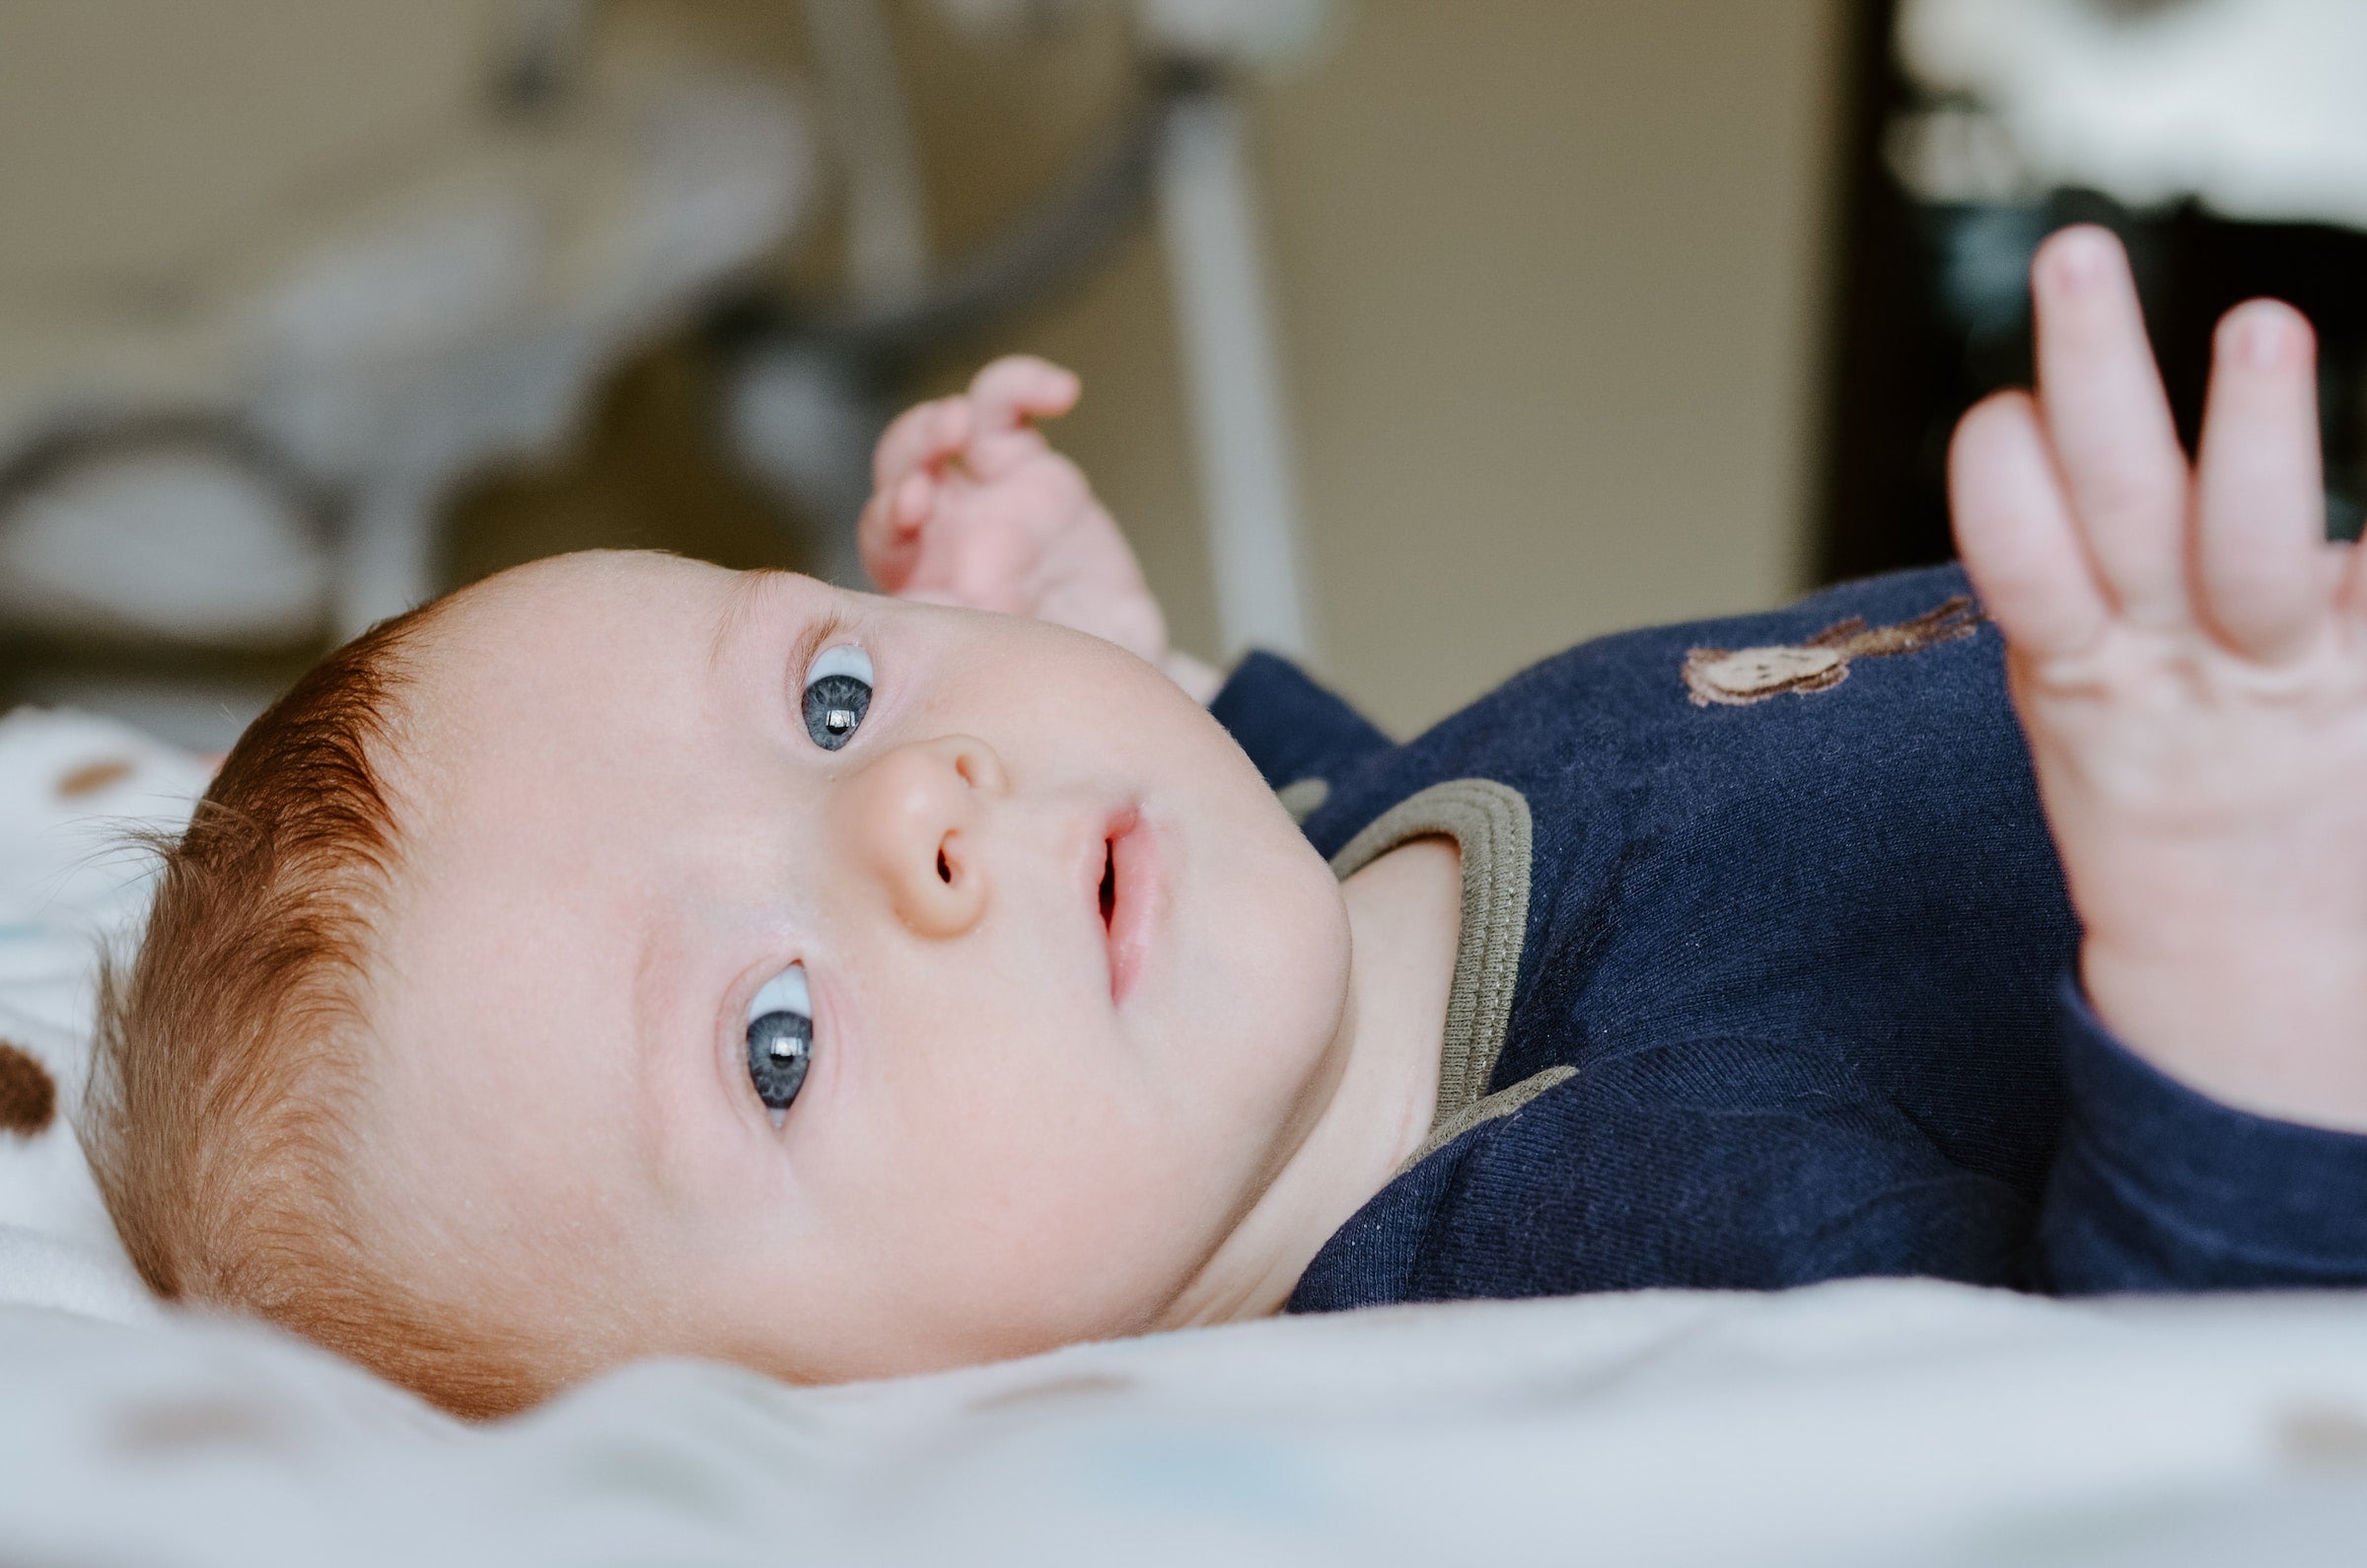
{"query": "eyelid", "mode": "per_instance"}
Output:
(840, 659)
(816, 636)
(787, 991)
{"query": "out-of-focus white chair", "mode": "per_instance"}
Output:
(456, 317)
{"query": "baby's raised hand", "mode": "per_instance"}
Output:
(971, 506)
(2189, 656)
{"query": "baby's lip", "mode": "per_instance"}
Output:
(1129, 866)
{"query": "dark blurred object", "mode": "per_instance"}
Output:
(1934, 314)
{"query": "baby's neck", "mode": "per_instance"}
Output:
(1405, 918)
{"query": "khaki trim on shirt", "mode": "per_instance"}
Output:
(1503, 1102)
(1489, 824)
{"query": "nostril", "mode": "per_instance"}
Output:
(977, 767)
(945, 870)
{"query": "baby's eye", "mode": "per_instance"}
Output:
(838, 695)
(780, 1039)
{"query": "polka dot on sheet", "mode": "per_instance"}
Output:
(92, 778)
(28, 1099)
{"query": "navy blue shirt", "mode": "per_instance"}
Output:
(1794, 976)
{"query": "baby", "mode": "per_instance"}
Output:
(624, 956)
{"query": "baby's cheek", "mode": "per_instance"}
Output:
(1082, 1164)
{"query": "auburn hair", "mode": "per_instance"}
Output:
(231, 1044)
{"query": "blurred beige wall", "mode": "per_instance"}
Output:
(141, 140)
(1549, 278)
(152, 149)
(1548, 275)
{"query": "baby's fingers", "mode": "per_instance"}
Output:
(923, 436)
(2259, 566)
(2015, 530)
(1008, 394)
(1019, 387)
(2109, 423)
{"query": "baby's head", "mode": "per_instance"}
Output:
(439, 1047)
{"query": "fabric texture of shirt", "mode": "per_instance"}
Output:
(1779, 988)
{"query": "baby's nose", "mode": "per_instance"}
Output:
(919, 813)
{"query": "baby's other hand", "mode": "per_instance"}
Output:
(971, 506)
(2189, 656)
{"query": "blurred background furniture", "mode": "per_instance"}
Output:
(457, 315)
(1540, 287)
(455, 311)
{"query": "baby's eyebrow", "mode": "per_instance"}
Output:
(741, 602)
(734, 614)
(819, 633)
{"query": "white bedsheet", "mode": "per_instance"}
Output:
(1866, 1422)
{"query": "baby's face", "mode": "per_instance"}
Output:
(1076, 982)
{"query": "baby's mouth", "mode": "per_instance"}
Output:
(1128, 898)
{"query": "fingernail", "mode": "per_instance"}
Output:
(2259, 339)
(2081, 257)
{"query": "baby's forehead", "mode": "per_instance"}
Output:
(553, 710)
(539, 606)
(546, 642)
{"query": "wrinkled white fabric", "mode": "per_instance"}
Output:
(73, 790)
(1865, 1422)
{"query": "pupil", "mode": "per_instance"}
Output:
(835, 705)
(781, 1046)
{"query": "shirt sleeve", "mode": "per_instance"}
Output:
(2159, 1188)
(1291, 728)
